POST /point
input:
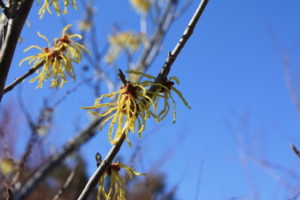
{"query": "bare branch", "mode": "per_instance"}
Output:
(162, 76)
(22, 78)
(186, 35)
(122, 77)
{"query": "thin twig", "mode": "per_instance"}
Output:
(186, 35)
(64, 187)
(122, 76)
(296, 151)
(22, 78)
(159, 79)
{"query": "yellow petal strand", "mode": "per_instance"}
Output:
(44, 37)
(181, 97)
(98, 106)
(65, 29)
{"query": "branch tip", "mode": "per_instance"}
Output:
(122, 76)
(98, 159)
(296, 151)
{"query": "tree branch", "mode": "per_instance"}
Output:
(14, 28)
(162, 76)
(25, 188)
(22, 78)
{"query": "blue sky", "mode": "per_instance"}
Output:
(230, 68)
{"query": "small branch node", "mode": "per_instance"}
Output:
(98, 159)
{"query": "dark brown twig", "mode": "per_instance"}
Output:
(162, 76)
(122, 76)
(296, 151)
(22, 78)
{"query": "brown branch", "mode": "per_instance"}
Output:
(122, 76)
(14, 27)
(162, 76)
(64, 187)
(22, 78)
(184, 38)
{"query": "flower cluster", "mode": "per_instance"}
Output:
(135, 104)
(141, 6)
(116, 184)
(57, 5)
(56, 60)
(126, 41)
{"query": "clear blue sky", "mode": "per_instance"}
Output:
(229, 69)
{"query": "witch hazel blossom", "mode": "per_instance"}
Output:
(135, 104)
(57, 60)
(127, 41)
(128, 113)
(116, 186)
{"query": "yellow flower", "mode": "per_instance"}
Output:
(127, 41)
(56, 60)
(133, 105)
(164, 93)
(56, 5)
(116, 188)
(141, 6)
